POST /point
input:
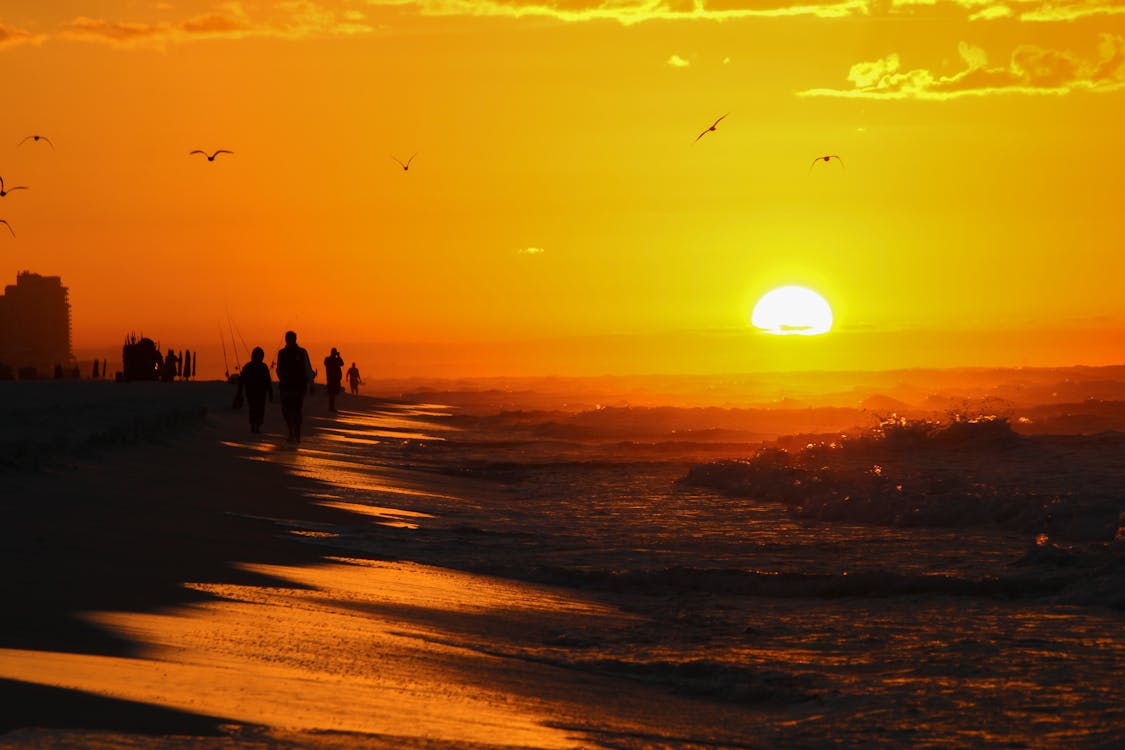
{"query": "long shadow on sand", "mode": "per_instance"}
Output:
(27, 705)
(124, 533)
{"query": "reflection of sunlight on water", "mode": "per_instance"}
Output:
(350, 439)
(391, 420)
(351, 475)
(365, 436)
(395, 517)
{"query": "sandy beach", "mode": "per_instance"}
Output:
(162, 592)
(420, 575)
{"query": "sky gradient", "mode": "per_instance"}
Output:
(558, 195)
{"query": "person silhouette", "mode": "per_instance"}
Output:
(294, 375)
(333, 376)
(255, 382)
(187, 364)
(354, 379)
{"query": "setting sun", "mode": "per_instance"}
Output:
(792, 310)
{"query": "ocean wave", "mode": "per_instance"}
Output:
(705, 678)
(960, 475)
(732, 581)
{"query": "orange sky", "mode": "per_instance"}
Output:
(976, 221)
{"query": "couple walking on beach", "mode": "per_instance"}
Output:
(295, 376)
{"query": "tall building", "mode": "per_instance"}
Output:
(35, 324)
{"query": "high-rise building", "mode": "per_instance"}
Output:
(35, 324)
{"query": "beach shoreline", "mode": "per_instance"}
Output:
(145, 572)
(419, 575)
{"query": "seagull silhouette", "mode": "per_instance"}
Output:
(710, 129)
(211, 157)
(825, 159)
(37, 138)
(405, 166)
(9, 226)
(4, 191)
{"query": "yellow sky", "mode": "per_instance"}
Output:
(980, 199)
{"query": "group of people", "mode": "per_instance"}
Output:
(295, 376)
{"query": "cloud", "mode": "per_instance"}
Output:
(10, 36)
(1030, 70)
(628, 12)
(297, 19)
(1070, 11)
(531, 251)
(678, 62)
(1024, 10)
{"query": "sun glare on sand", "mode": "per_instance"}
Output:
(792, 310)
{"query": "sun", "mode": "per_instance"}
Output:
(792, 310)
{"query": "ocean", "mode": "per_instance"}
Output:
(940, 588)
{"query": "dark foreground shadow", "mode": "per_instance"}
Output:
(124, 533)
(28, 705)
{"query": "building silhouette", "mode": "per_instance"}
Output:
(35, 326)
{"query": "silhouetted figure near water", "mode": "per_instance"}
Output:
(168, 373)
(94, 372)
(294, 374)
(354, 379)
(255, 382)
(334, 376)
(58, 372)
(187, 364)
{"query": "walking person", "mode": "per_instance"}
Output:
(294, 375)
(333, 376)
(354, 379)
(254, 381)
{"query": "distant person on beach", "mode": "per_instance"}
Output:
(94, 373)
(333, 376)
(255, 382)
(294, 375)
(354, 379)
(187, 364)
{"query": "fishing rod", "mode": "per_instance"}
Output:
(223, 341)
(233, 343)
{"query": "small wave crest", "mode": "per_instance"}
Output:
(731, 581)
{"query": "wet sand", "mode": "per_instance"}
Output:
(161, 590)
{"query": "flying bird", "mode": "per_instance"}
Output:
(710, 129)
(36, 139)
(211, 157)
(9, 226)
(405, 166)
(4, 191)
(825, 159)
